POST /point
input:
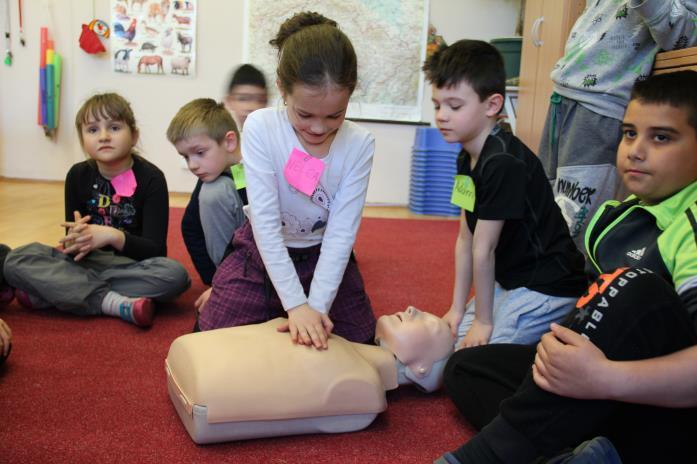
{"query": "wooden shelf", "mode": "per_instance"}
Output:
(676, 60)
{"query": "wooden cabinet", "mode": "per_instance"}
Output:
(546, 28)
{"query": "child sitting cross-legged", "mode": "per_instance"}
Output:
(112, 258)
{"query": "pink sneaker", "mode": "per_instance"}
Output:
(7, 294)
(143, 312)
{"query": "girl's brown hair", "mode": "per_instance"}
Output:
(314, 52)
(105, 106)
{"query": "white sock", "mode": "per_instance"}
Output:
(118, 305)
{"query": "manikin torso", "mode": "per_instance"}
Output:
(250, 377)
(254, 373)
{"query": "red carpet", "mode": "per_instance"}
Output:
(85, 390)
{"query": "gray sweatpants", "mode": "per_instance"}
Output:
(79, 287)
(578, 151)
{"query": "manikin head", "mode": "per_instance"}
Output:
(421, 341)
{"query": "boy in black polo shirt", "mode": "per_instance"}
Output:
(514, 244)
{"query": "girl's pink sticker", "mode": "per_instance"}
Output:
(125, 183)
(303, 171)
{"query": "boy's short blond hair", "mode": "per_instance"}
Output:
(201, 116)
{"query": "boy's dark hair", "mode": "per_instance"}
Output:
(201, 116)
(678, 89)
(247, 74)
(313, 51)
(105, 106)
(473, 61)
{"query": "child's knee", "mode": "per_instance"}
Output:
(179, 276)
(627, 297)
(19, 258)
(173, 277)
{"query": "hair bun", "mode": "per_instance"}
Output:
(297, 22)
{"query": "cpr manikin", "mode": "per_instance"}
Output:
(251, 381)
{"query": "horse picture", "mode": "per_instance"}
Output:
(151, 60)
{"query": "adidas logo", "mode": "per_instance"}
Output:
(636, 254)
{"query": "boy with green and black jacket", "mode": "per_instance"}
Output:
(623, 363)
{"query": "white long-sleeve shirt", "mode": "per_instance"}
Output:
(283, 217)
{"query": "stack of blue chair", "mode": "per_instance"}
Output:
(433, 169)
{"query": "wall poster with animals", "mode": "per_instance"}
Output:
(154, 36)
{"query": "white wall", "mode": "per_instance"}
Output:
(26, 153)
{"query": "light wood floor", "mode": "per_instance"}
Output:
(31, 211)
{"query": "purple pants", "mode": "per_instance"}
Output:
(243, 293)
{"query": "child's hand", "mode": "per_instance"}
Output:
(478, 334)
(92, 237)
(308, 327)
(202, 300)
(569, 364)
(453, 318)
(74, 229)
(5, 338)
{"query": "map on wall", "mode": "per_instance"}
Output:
(153, 36)
(389, 37)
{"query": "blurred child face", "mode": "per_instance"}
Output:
(108, 142)
(243, 100)
(316, 114)
(460, 115)
(657, 155)
(205, 157)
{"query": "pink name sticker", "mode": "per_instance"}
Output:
(303, 171)
(125, 184)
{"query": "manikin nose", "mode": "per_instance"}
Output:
(410, 313)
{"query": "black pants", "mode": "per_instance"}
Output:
(632, 315)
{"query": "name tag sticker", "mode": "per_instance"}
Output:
(238, 176)
(463, 193)
(125, 184)
(303, 171)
